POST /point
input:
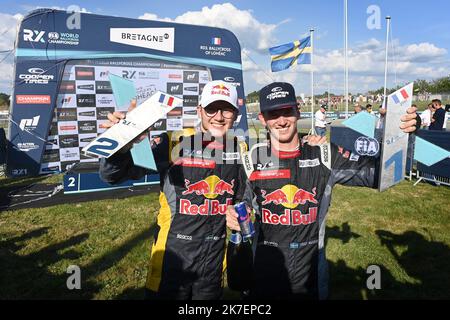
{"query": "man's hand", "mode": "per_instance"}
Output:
(116, 116)
(232, 219)
(315, 140)
(409, 120)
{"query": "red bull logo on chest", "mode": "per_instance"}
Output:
(210, 188)
(290, 217)
(289, 196)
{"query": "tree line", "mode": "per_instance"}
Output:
(4, 101)
(421, 86)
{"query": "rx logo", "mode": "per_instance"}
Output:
(33, 35)
(128, 74)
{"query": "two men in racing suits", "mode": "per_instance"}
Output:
(199, 179)
(290, 188)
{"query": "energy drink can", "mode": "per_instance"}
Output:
(245, 223)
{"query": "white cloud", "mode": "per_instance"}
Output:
(254, 36)
(247, 63)
(250, 32)
(71, 8)
(264, 77)
(366, 59)
(366, 65)
(422, 52)
(152, 16)
(8, 29)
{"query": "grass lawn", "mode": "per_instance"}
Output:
(404, 230)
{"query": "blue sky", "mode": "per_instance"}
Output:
(420, 33)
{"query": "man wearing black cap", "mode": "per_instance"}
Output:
(320, 121)
(291, 192)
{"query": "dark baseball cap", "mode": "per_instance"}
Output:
(277, 95)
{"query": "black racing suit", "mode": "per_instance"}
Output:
(291, 193)
(187, 260)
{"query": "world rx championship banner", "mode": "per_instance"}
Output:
(62, 91)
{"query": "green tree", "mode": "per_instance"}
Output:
(253, 97)
(4, 101)
(421, 86)
(440, 85)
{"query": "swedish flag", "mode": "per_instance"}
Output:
(286, 55)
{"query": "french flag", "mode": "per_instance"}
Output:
(399, 97)
(165, 99)
(216, 41)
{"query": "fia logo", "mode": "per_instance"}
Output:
(366, 146)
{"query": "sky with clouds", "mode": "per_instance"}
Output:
(419, 46)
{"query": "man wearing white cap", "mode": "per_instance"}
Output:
(198, 181)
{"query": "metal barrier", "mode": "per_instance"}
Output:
(438, 173)
(432, 178)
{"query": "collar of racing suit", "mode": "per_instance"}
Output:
(211, 143)
(285, 154)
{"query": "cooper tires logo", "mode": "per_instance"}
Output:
(276, 89)
(36, 71)
(36, 76)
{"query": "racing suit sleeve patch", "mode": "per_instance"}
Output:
(325, 155)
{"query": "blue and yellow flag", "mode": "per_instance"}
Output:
(286, 55)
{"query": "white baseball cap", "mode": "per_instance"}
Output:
(219, 90)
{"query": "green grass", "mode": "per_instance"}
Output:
(404, 230)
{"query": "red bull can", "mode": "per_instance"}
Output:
(245, 223)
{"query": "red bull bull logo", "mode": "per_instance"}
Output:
(220, 89)
(301, 196)
(221, 187)
(289, 196)
(276, 197)
(199, 188)
(210, 188)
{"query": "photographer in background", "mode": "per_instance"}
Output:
(320, 122)
(438, 118)
(426, 116)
